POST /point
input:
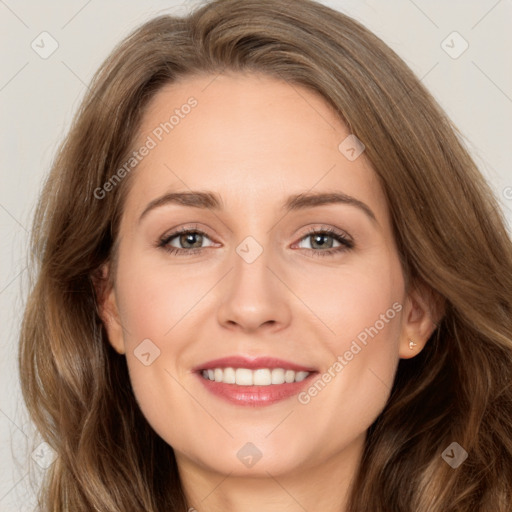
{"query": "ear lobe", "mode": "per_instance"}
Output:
(422, 313)
(107, 307)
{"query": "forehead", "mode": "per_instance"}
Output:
(251, 138)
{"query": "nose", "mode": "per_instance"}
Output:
(254, 295)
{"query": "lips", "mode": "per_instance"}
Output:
(256, 382)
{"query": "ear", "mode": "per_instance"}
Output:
(422, 313)
(107, 307)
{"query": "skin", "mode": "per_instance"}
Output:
(255, 140)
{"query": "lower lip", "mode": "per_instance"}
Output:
(255, 396)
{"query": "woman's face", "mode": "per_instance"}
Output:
(251, 286)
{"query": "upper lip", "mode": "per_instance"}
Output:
(238, 361)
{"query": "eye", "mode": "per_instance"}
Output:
(190, 240)
(319, 237)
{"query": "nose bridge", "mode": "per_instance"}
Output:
(251, 261)
(256, 258)
(250, 249)
(253, 296)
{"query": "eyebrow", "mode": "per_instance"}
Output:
(296, 202)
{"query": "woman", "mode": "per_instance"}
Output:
(244, 373)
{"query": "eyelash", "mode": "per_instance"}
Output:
(346, 243)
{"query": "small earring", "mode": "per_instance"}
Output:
(411, 345)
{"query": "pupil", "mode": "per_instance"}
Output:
(317, 237)
(189, 238)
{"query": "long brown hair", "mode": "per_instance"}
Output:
(449, 229)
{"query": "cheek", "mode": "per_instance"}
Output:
(360, 300)
(154, 299)
(363, 310)
(371, 324)
(158, 306)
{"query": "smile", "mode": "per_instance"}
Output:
(253, 381)
(258, 377)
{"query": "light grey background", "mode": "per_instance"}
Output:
(38, 98)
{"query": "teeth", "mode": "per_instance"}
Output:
(229, 376)
(289, 376)
(243, 376)
(260, 377)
